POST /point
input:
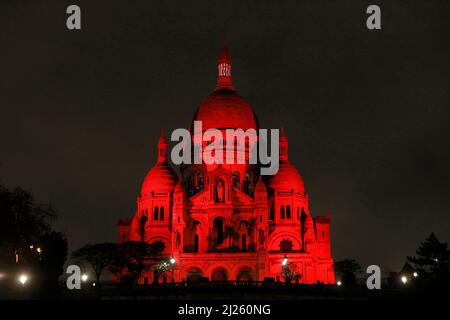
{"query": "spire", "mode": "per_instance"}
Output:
(260, 185)
(283, 145)
(162, 147)
(224, 80)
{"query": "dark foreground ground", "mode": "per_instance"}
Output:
(235, 291)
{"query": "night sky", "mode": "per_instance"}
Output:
(366, 112)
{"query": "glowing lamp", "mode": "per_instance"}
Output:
(415, 274)
(23, 279)
(172, 260)
(285, 260)
(404, 279)
(84, 277)
(339, 283)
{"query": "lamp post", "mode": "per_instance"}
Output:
(172, 263)
(285, 260)
(285, 269)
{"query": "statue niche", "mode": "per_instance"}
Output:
(220, 191)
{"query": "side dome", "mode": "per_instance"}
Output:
(287, 178)
(160, 178)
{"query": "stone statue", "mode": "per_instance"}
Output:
(220, 190)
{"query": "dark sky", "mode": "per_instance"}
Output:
(367, 113)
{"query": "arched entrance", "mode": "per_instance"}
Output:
(244, 274)
(194, 275)
(220, 274)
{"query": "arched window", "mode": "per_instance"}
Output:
(142, 223)
(247, 184)
(288, 212)
(282, 212)
(236, 178)
(161, 213)
(200, 182)
(272, 213)
(244, 242)
(196, 243)
(218, 230)
(155, 214)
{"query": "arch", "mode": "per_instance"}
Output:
(200, 181)
(247, 184)
(142, 222)
(194, 274)
(219, 274)
(218, 231)
(166, 239)
(275, 239)
(161, 213)
(236, 179)
(195, 236)
(244, 242)
(244, 274)
(196, 243)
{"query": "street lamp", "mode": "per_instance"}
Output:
(84, 277)
(415, 274)
(339, 283)
(172, 263)
(285, 260)
(404, 279)
(23, 279)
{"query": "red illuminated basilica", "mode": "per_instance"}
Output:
(226, 221)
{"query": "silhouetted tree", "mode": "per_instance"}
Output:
(97, 256)
(25, 234)
(432, 258)
(50, 264)
(346, 271)
(24, 221)
(137, 257)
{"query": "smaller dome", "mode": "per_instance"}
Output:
(287, 179)
(160, 178)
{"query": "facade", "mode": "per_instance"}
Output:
(226, 221)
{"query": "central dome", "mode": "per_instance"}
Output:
(225, 109)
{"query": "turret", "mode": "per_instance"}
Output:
(224, 80)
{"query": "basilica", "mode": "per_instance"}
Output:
(227, 221)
